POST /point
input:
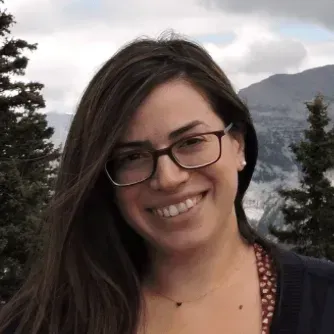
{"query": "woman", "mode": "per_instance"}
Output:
(147, 233)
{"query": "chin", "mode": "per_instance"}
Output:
(185, 241)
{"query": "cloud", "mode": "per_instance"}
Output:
(65, 62)
(274, 56)
(305, 32)
(60, 15)
(256, 53)
(75, 37)
(319, 54)
(318, 12)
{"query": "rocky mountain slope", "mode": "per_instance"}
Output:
(279, 113)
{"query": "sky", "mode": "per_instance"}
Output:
(250, 40)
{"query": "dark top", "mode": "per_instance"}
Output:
(304, 297)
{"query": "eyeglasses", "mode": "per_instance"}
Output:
(138, 165)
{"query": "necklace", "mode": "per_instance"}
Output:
(180, 303)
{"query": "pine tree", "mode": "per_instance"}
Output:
(309, 210)
(28, 160)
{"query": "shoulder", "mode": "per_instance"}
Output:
(305, 293)
(320, 268)
(314, 268)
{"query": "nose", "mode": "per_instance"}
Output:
(168, 176)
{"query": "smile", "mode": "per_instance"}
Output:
(178, 208)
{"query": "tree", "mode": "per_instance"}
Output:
(309, 210)
(28, 160)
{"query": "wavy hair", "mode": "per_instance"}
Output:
(88, 279)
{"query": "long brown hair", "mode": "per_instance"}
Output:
(88, 278)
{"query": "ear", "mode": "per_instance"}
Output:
(239, 150)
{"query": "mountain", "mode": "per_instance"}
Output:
(279, 114)
(287, 90)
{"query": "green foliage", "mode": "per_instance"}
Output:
(309, 210)
(28, 161)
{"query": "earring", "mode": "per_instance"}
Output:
(244, 163)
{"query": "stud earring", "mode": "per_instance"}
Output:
(244, 163)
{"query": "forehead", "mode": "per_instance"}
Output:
(168, 107)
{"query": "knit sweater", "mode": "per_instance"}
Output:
(305, 295)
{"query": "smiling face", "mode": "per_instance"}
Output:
(178, 209)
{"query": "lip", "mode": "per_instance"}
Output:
(176, 200)
(184, 220)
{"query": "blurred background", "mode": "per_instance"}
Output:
(278, 55)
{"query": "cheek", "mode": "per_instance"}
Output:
(127, 202)
(224, 176)
(130, 207)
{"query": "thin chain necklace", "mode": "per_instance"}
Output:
(179, 303)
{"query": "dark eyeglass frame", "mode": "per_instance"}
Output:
(169, 151)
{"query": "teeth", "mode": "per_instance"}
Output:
(165, 212)
(160, 212)
(176, 209)
(182, 207)
(189, 203)
(173, 211)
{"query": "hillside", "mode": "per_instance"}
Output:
(279, 113)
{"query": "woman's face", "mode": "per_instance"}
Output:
(206, 196)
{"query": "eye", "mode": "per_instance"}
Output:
(132, 157)
(193, 141)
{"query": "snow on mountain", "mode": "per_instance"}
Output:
(279, 114)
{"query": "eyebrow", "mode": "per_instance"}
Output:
(173, 135)
(180, 131)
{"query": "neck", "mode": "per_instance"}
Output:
(189, 274)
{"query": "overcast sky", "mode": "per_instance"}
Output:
(251, 40)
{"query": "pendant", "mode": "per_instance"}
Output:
(178, 304)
